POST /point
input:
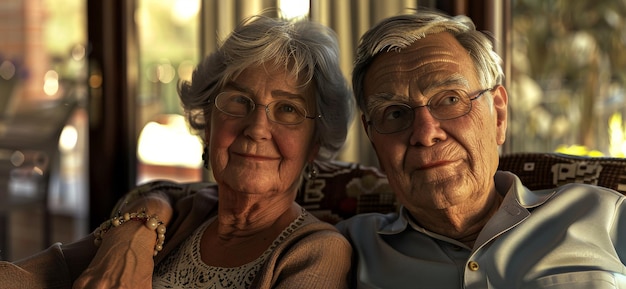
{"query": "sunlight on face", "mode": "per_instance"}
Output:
(252, 153)
(434, 163)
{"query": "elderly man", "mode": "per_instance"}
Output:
(434, 108)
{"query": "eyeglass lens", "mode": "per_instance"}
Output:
(279, 111)
(399, 116)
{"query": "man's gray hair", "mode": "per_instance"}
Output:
(398, 32)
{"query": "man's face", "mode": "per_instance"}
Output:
(435, 164)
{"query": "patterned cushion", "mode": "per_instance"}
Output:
(549, 170)
(341, 190)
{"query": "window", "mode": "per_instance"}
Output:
(568, 75)
(168, 52)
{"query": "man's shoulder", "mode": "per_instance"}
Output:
(587, 190)
(366, 223)
(582, 196)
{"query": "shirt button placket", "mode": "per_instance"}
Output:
(473, 266)
(474, 278)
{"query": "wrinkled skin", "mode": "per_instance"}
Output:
(441, 170)
(125, 257)
(257, 165)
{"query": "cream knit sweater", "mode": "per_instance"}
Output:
(316, 255)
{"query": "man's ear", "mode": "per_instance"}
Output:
(365, 125)
(500, 104)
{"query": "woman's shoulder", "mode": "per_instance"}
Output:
(313, 241)
(315, 231)
(314, 255)
(312, 225)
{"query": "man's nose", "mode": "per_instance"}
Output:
(426, 129)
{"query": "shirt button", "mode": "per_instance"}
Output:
(473, 266)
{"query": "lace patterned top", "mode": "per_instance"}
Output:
(184, 268)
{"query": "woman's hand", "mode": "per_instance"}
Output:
(125, 256)
(124, 259)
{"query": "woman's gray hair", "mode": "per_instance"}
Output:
(307, 49)
(398, 32)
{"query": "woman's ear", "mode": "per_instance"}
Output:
(207, 139)
(205, 156)
(314, 151)
(207, 127)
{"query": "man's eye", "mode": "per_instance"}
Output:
(446, 100)
(394, 112)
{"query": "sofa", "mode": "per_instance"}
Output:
(338, 190)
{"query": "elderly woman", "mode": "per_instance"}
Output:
(269, 102)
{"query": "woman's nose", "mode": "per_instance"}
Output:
(258, 124)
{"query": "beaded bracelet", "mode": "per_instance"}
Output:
(152, 222)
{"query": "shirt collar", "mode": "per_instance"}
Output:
(507, 184)
(404, 221)
(398, 225)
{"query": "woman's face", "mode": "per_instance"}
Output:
(253, 154)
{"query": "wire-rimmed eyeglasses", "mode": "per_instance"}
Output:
(281, 111)
(395, 117)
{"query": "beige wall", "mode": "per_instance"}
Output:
(21, 41)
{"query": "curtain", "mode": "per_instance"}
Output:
(349, 18)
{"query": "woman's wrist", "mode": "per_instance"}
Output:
(153, 204)
(152, 222)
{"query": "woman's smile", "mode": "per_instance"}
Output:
(256, 157)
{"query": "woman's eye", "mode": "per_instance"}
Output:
(240, 99)
(287, 107)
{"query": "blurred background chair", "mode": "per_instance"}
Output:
(29, 157)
